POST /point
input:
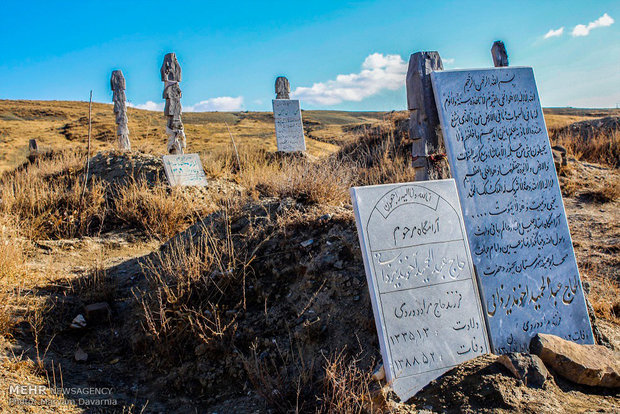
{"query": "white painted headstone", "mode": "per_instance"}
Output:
(184, 170)
(421, 280)
(501, 159)
(289, 128)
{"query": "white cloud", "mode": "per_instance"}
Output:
(554, 33)
(149, 106)
(583, 30)
(222, 103)
(447, 61)
(379, 72)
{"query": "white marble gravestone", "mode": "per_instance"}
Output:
(184, 170)
(289, 128)
(421, 280)
(500, 157)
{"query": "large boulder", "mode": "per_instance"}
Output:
(526, 367)
(593, 365)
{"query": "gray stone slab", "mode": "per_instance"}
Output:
(500, 157)
(184, 170)
(424, 296)
(289, 128)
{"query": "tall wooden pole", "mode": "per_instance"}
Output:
(423, 119)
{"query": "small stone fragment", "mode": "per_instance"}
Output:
(306, 243)
(593, 365)
(80, 355)
(379, 373)
(98, 312)
(525, 367)
(78, 322)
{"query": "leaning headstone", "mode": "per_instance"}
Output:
(422, 285)
(171, 76)
(184, 170)
(117, 83)
(287, 116)
(500, 156)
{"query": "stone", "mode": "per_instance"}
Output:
(379, 373)
(499, 54)
(423, 118)
(593, 365)
(78, 322)
(33, 147)
(421, 280)
(117, 83)
(559, 157)
(289, 127)
(184, 170)
(499, 154)
(171, 76)
(283, 88)
(98, 312)
(80, 355)
(528, 368)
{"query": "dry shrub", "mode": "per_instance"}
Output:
(159, 210)
(12, 270)
(49, 200)
(348, 389)
(600, 148)
(182, 302)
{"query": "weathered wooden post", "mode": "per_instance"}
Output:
(423, 119)
(117, 83)
(283, 88)
(171, 76)
(500, 56)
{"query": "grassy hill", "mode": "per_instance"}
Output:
(63, 124)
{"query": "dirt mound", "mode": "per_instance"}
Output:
(587, 129)
(484, 385)
(117, 167)
(296, 296)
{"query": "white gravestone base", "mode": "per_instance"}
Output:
(499, 154)
(184, 170)
(289, 128)
(422, 285)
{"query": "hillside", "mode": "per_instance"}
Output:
(249, 295)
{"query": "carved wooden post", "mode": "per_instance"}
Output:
(500, 57)
(423, 119)
(283, 88)
(171, 76)
(117, 83)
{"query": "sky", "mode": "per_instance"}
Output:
(337, 55)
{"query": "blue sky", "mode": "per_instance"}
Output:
(337, 55)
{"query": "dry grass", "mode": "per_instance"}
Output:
(48, 200)
(156, 209)
(600, 149)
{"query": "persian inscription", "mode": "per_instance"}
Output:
(421, 280)
(501, 159)
(184, 170)
(289, 128)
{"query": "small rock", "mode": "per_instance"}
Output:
(306, 243)
(526, 367)
(593, 365)
(98, 312)
(80, 355)
(326, 217)
(379, 373)
(78, 322)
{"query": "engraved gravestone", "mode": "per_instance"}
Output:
(421, 280)
(501, 159)
(184, 170)
(289, 128)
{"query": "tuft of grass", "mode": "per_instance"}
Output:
(601, 148)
